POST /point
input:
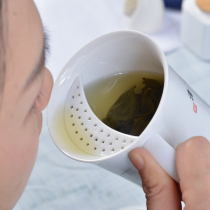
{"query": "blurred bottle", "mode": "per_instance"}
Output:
(195, 28)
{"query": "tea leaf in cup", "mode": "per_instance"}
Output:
(131, 113)
(147, 105)
(138, 126)
(151, 83)
(123, 109)
(138, 104)
(125, 127)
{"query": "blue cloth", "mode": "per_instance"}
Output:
(174, 4)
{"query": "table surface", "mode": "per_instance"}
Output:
(58, 182)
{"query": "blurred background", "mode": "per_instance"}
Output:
(59, 183)
(71, 24)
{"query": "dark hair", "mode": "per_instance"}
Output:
(2, 50)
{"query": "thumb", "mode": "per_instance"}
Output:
(161, 190)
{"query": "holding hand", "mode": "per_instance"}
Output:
(193, 166)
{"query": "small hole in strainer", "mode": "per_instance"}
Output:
(73, 124)
(79, 94)
(110, 143)
(77, 109)
(89, 118)
(96, 139)
(82, 123)
(108, 135)
(81, 102)
(102, 142)
(76, 132)
(91, 135)
(71, 115)
(103, 150)
(81, 139)
(112, 149)
(77, 87)
(95, 125)
(116, 138)
(124, 141)
(101, 130)
(95, 148)
(86, 129)
(71, 107)
(87, 144)
(79, 117)
(85, 110)
(122, 147)
(72, 96)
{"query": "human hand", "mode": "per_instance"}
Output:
(193, 166)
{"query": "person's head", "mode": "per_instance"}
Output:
(25, 88)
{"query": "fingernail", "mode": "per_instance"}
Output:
(137, 160)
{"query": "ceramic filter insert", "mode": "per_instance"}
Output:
(86, 130)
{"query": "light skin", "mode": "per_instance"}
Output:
(23, 97)
(26, 93)
(193, 166)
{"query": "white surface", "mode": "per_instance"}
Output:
(193, 70)
(73, 23)
(163, 153)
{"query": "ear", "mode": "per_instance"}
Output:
(45, 92)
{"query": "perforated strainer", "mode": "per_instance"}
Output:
(86, 130)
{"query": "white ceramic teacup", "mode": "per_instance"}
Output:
(181, 113)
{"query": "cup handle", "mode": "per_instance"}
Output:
(163, 153)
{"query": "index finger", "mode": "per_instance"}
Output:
(193, 166)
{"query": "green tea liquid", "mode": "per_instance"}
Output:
(103, 93)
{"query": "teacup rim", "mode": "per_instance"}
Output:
(165, 71)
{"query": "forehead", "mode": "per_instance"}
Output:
(24, 40)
